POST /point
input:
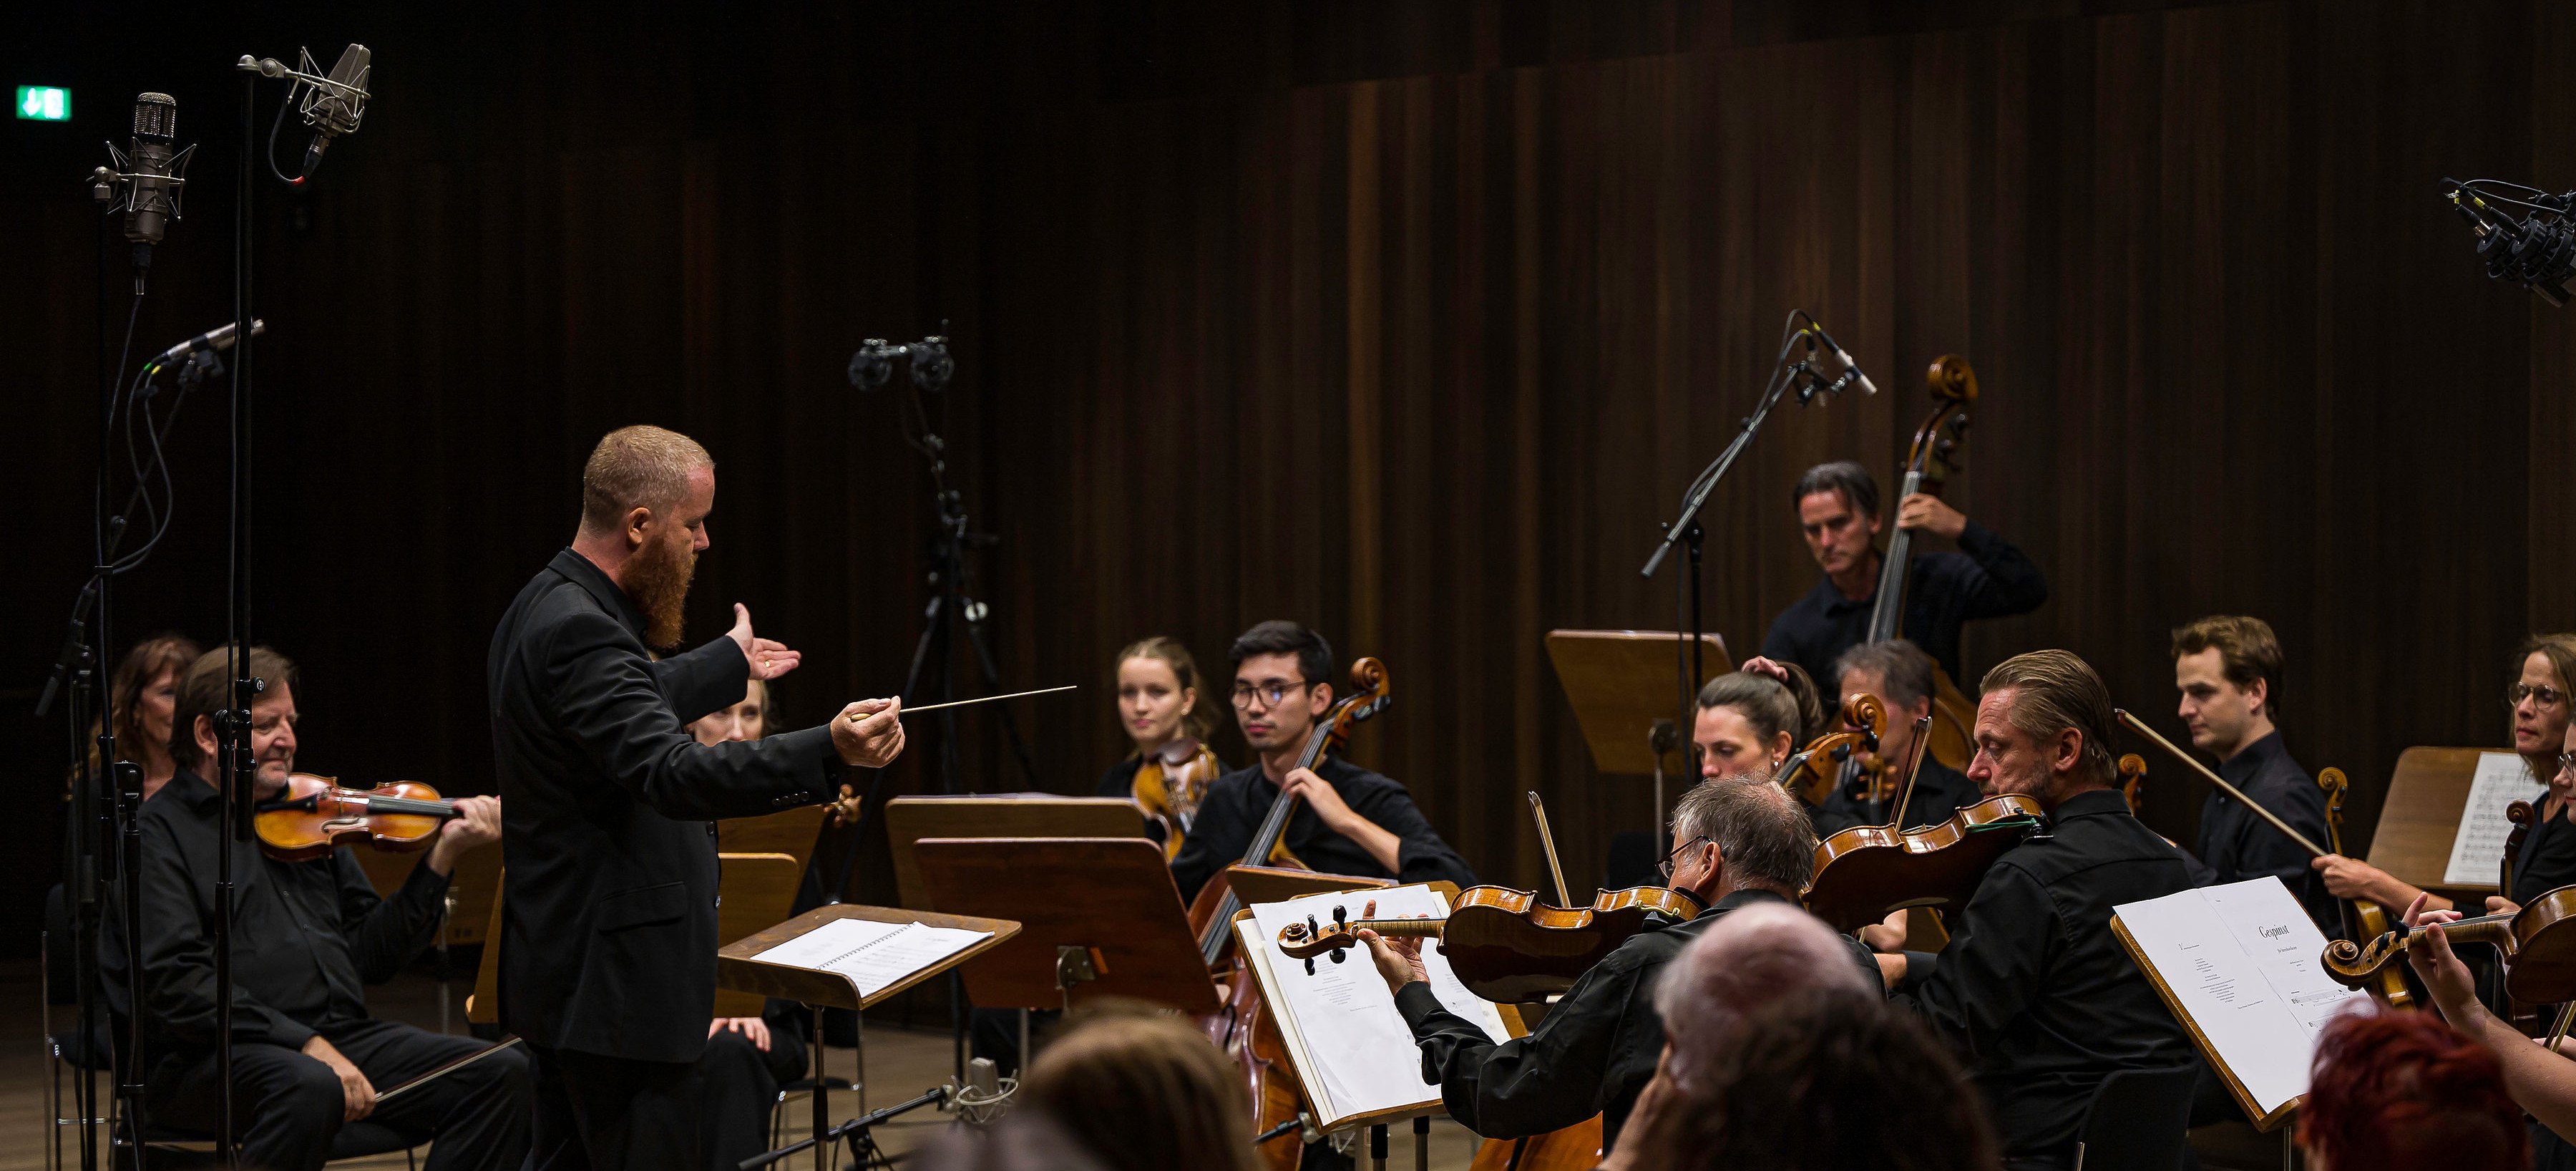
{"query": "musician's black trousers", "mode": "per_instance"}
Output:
(287, 1107)
(596, 1112)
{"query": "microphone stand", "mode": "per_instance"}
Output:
(866, 1144)
(1685, 529)
(236, 781)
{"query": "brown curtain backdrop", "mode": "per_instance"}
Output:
(1409, 322)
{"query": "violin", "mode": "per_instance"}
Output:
(1937, 453)
(315, 815)
(1868, 871)
(1241, 1028)
(2133, 769)
(2538, 943)
(1505, 945)
(2363, 919)
(1168, 786)
(1853, 753)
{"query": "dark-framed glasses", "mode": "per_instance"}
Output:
(1666, 866)
(2541, 694)
(1270, 694)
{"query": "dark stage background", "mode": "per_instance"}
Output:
(1409, 321)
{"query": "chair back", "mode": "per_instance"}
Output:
(2139, 1120)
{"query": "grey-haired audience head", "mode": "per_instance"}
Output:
(1742, 964)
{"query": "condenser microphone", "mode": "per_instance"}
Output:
(218, 339)
(1851, 369)
(152, 198)
(333, 109)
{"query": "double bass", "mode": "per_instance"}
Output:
(1938, 451)
(1240, 1027)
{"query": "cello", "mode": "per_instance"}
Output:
(1939, 448)
(1240, 1027)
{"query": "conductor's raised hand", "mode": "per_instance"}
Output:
(769, 658)
(869, 733)
(1399, 961)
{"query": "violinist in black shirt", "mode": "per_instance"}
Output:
(1348, 820)
(307, 938)
(2033, 989)
(1838, 513)
(2228, 669)
(1899, 675)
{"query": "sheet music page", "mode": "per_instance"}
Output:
(875, 956)
(2241, 960)
(2478, 849)
(1364, 1055)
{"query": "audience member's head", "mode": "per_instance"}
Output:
(1143, 1092)
(1735, 971)
(1832, 1077)
(2393, 1090)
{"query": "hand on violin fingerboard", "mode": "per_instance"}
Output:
(477, 823)
(1928, 513)
(1399, 961)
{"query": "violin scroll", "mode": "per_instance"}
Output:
(2133, 769)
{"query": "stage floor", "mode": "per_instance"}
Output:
(901, 1064)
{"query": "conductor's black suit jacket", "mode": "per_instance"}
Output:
(608, 928)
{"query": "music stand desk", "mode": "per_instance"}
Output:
(1621, 682)
(997, 815)
(1103, 904)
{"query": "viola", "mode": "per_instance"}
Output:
(315, 815)
(1169, 783)
(1241, 1028)
(1505, 945)
(1837, 759)
(2538, 944)
(1866, 872)
(1938, 451)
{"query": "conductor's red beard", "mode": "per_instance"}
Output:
(658, 580)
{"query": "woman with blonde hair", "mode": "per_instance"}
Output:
(1161, 711)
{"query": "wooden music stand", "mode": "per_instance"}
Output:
(483, 1005)
(2427, 793)
(792, 832)
(1278, 884)
(738, 971)
(1101, 913)
(754, 891)
(997, 815)
(1621, 682)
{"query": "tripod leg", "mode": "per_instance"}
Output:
(993, 680)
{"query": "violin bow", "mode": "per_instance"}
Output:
(1547, 841)
(1922, 740)
(443, 1071)
(2140, 727)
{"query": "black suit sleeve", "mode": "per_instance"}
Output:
(179, 958)
(605, 697)
(706, 680)
(1998, 581)
(384, 934)
(1421, 856)
(1554, 1078)
(1994, 965)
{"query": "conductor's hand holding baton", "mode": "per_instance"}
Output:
(869, 733)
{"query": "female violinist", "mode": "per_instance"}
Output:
(1751, 719)
(1160, 710)
(2539, 702)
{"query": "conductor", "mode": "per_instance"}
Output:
(608, 932)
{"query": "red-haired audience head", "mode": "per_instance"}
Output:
(2394, 1090)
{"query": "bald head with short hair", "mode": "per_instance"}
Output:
(1738, 967)
(637, 467)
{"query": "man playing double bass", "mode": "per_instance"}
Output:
(1838, 514)
(608, 921)
(1348, 820)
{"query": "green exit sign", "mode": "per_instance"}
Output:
(44, 103)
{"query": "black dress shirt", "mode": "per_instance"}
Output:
(1939, 792)
(2034, 990)
(1120, 780)
(1986, 578)
(1236, 803)
(308, 937)
(2548, 858)
(2237, 845)
(1593, 1054)
(608, 898)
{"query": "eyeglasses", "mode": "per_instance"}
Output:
(2566, 761)
(1271, 694)
(1666, 866)
(2543, 695)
